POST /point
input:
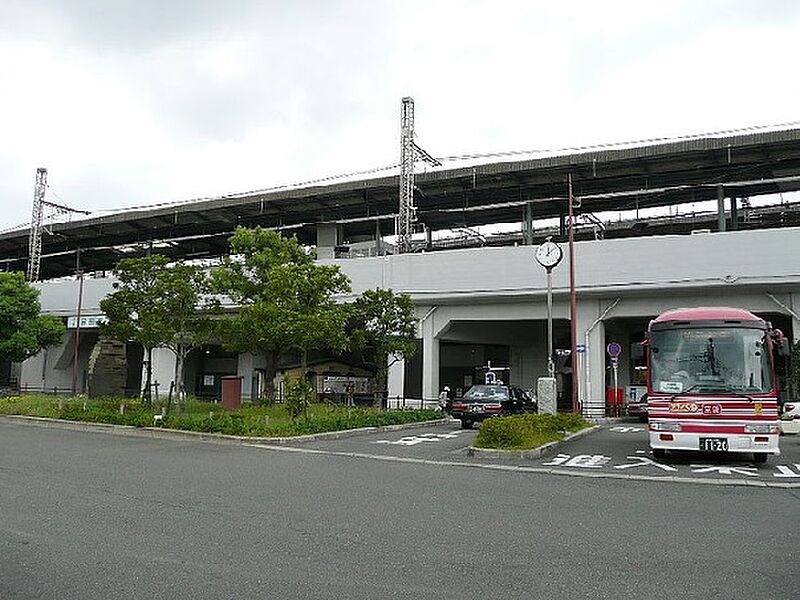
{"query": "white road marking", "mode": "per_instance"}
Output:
(413, 440)
(625, 429)
(644, 462)
(786, 471)
(725, 470)
(582, 461)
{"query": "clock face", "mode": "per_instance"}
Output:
(548, 254)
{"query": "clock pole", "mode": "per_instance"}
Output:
(551, 367)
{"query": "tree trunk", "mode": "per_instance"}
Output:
(180, 356)
(380, 381)
(147, 392)
(270, 370)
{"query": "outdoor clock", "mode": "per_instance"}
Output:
(549, 254)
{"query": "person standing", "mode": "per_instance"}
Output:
(444, 398)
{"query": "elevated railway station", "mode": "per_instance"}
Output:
(480, 295)
(724, 168)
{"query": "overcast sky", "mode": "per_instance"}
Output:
(147, 101)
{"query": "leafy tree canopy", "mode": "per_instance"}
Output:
(23, 331)
(384, 322)
(285, 300)
(160, 303)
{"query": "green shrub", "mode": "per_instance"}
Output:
(195, 415)
(299, 395)
(523, 432)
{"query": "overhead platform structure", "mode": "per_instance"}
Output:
(605, 179)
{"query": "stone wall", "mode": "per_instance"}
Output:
(108, 369)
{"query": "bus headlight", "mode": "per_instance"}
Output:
(665, 426)
(761, 429)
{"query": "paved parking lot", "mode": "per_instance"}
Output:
(617, 449)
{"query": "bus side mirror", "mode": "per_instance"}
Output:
(637, 351)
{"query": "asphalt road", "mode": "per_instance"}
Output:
(97, 516)
(617, 449)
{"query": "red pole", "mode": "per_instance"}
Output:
(573, 303)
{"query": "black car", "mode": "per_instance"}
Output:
(483, 401)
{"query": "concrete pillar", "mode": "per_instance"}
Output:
(395, 381)
(720, 208)
(244, 369)
(163, 370)
(527, 226)
(592, 389)
(328, 237)
(734, 213)
(795, 306)
(430, 361)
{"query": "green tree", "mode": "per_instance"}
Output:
(23, 331)
(284, 300)
(384, 326)
(160, 303)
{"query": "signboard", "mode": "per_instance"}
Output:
(580, 348)
(614, 361)
(614, 349)
(490, 378)
(87, 321)
(208, 381)
(636, 392)
(334, 384)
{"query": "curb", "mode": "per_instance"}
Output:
(219, 438)
(533, 452)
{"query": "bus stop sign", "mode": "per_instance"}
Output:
(614, 349)
(490, 378)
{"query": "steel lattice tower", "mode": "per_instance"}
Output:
(35, 238)
(406, 216)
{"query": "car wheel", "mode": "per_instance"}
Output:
(466, 424)
(659, 453)
(760, 457)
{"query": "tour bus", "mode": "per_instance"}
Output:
(711, 382)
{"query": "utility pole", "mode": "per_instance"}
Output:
(410, 152)
(573, 304)
(37, 217)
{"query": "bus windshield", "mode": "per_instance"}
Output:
(710, 360)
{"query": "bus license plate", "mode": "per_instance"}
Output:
(714, 444)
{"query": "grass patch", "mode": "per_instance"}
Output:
(525, 432)
(192, 415)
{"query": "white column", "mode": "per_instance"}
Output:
(795, 298)
(430, 364)
(395, 381)
(163, 370)
(244, 369)
(593, 395)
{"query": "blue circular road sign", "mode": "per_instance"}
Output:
(614, 349)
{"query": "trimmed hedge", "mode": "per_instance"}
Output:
(524, 432)
(261, 421)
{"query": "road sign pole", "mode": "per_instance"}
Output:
(616, 387)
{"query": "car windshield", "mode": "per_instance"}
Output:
(708, 360)
(486, 393)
